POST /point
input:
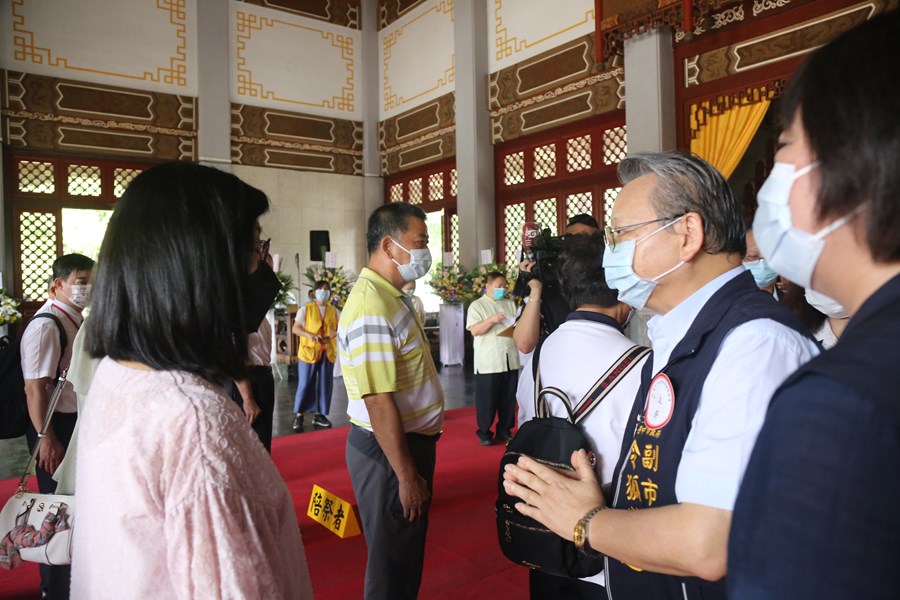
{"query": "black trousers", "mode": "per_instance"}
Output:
(495, 394)
(263, 385)
(54, 580)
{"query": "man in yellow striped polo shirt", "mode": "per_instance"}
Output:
(396, 404)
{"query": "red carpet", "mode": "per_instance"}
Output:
(462, 559)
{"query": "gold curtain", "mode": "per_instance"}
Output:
(723, 139)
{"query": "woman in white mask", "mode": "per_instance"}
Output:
(836, 318)
(816, 516)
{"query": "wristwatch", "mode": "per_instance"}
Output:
(580, 535)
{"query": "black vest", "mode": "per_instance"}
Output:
(649, 459)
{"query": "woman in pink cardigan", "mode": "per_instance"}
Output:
(177, 498)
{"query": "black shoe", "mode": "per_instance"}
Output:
(298, 424)
(486, 441)
(320, 421)
(505, 437)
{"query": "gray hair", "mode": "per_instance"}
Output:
(687, 183)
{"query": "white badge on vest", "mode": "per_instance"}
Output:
(660, 402)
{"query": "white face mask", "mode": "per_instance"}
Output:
(81, 295)
(418, 265)
(323, 295)
(826, 305)
(790, 252)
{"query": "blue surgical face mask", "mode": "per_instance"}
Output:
(618, 268)
(323, 295)
(418, 265)
(762, 274)
(499, 294)
(791, 252)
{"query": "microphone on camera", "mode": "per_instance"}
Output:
(530, 231)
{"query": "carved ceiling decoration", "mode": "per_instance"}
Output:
(621, 19)
(419, 136)
(553, 88)
(790, 41)
(722, 103)
(338, 12)
(275, 138)
(51, 114)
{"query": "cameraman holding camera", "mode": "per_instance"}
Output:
(545, 307)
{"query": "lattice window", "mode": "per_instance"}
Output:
(83, 180)
(609, 197)
(415, 191)
(454, 236)
(545, 214)
(578, 154)
(37, 232)
(579, 204)
(36, 177)
(436, 186)
(121, 179)
(514, 168)
(545, 161)
(453, 182)
(513, 219)
(615, 145)
(396, 193)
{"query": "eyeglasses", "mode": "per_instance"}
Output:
(262, 247)
(610, 233)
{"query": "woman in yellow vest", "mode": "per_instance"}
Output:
(316, 326)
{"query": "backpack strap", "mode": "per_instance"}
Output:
(63, 338)
(608, 381)
(540, 409)
(561, 395)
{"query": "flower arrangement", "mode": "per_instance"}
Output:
(339, 279)
(450, 284)
(285, 295)
(9, 313)
(479, 277)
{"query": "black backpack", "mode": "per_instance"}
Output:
(13, 405)
(551, 441)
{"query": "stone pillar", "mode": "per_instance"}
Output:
(474, 151)
(213, 84)
(370, 96)
(649, 114)
(650, 92)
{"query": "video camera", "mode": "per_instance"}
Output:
(546, 249)
(543, 248)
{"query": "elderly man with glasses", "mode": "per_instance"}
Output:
(720, 348)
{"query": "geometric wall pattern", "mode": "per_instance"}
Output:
(288, 61)
(51, 114)
(278, 138)
(417, 57)
(147, 45)
(520, 29)
(391, 10)
(553, 88)
(338, 12)
(422, 135)
(759, 51)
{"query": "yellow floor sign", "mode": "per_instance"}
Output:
(336, 515)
